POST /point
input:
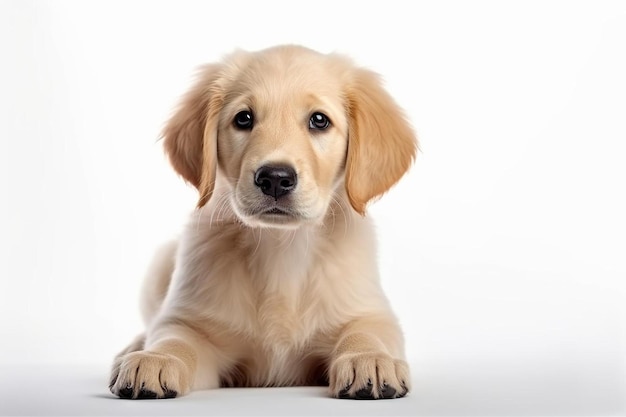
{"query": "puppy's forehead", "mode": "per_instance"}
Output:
(273, 76)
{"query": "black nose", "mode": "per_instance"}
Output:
(275, 181)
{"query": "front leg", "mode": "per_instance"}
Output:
(362, 366)
(167, 367)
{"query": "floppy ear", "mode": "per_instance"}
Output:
(190, 136)
(381, 144)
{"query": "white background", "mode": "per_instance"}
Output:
(502, 251)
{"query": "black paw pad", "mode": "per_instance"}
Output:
(343, 394)
(146, 394)
(365, 393)
(387, 391)
(126, 392)
(169, 393)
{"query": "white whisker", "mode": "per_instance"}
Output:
(293, 236)
(258, 242)
(306, 247)
(346, 218)
(222, 198)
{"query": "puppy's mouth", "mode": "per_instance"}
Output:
(274, 215)
(276, 211)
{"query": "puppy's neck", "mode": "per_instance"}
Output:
(279, 259)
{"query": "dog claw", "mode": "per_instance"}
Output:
(126, 392)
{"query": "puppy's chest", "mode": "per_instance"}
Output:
(282, 313)
(278, 305)
(273, 295)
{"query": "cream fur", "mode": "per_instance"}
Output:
(250, 299)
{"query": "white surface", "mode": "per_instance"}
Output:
(503, 251)
(452, 391)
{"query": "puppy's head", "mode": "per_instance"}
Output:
(287, 129)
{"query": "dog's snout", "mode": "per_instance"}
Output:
(275, 180)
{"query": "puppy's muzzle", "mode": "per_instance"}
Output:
(276, 180)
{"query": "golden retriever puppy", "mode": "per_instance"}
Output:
(274, 280)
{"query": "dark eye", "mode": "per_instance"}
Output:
(243, 120)
(318, 121)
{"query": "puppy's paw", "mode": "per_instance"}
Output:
(368, 376)
(148, 375)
